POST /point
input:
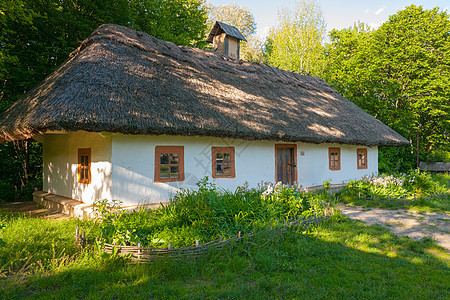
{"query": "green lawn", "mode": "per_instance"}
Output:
(340, 259)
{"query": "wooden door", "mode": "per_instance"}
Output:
(286, 163)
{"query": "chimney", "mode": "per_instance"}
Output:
(226, 39)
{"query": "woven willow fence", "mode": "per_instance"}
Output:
(149, 254)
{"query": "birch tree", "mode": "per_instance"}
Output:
(295, 43)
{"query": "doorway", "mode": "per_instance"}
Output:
(286, 163)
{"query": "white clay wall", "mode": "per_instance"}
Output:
(60, 157)
(133, 159)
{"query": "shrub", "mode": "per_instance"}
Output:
(7, 192)
(208, 212)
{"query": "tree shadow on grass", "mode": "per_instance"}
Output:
(342, 260)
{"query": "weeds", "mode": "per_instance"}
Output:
(207, 213)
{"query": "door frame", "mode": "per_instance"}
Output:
(282, 146)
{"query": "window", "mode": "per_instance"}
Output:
(169, 163)
(84, 165)
(334, 155)
(361, 156)
(223, 162)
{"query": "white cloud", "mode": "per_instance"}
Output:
(380, 10)
(367, 11)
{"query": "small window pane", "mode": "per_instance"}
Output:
(219, 155)
(174, 172)
(164, 158)
(164, 172)
(86, 174)
(227, 169)
(219, 170)
(174, 159)
(226, 157)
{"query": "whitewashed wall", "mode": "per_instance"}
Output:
(313, 166)
(133, 159)
(60, 156)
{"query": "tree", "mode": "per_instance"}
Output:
(179, 21)
(295, 43)
(399, 74)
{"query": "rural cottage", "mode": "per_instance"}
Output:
(132, 118)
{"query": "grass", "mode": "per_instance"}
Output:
(340, 259)
(432, 192)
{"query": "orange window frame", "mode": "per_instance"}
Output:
(170, 150)
(223, 150)
(334, 163)
(83, 167)
(361, 158)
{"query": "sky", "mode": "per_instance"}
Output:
(338, 14)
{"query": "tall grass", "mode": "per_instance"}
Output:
(209, 212)
(429, 192)
(339, 259)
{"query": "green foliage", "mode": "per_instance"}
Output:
(182, 22)
(295, 43)
(359, 262)
(7, 192)
(209, 212)
(398, 73)
(430, 193)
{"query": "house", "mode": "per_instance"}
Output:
(132, 118)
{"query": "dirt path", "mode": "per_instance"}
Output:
(405, 223)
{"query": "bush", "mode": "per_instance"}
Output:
(208, 212)
(7, 192)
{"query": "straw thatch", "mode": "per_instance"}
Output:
(124, 81)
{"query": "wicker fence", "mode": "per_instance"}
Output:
(149, 254)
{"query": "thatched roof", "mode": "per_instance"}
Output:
(220, 27)
(435, 167)
(124, 81)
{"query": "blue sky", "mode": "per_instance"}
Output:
(338, 14)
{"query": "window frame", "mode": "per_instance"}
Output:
(358, 151)
(169, 149)
(231, 151)
(84, 152)
(330, 151)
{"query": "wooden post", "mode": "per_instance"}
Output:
(169, 246)
(83, 239)
(77, 231)
(139, 252)
(359, 195)
(332, 210)
(239, 235)
(196, 243)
